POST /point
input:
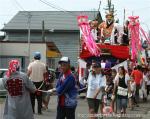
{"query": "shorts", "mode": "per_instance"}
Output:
(122, 103)
(94, 104)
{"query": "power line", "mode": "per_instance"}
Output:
(19, 5)
(57, 7)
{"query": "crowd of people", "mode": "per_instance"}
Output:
(113, 92)
(107, 93)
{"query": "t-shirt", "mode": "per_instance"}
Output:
(62, 97)
(38, 69)
(94, 83)
(122, 82)
(137, 76)
(144, 81)
(127, 77)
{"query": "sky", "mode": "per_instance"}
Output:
(141, 8)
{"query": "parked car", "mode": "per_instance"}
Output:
(3, 91)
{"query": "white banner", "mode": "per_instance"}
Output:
(82, 64)
(121, 64)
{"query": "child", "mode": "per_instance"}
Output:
(132, 95)
(109, 87)
(109, 90)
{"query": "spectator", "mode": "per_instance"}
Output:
(96, 83)
(49, 80)
(113, 75)
(109, 87)
(123, 88)
(137, 76)
(108, 64)
(148, 82)
(86, 71)
(36, 71)
(144, 84)
(132, 96)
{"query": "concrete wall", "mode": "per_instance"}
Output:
(21, 49)
(66, 42)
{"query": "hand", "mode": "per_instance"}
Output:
(95, 96)
(37, 92)
(113, 97)
(129, 95)
(85, 82)
(50, 91)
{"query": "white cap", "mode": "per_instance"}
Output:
(64, 59)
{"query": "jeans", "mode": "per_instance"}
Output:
(122, 103)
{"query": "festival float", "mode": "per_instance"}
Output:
(110, 43)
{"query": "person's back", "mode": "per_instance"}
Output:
(19, 87)
(36, 72)
(38, 69)
(137, 76)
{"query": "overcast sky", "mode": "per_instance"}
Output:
(8, 8)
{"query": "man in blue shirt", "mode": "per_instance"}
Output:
(66, 90)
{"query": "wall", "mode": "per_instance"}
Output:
(66, 42)
(21, 49)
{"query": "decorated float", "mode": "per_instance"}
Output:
(110, 43)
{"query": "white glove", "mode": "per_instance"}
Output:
(50, 91)
(113, 97)
(85, 82)
(129, 95)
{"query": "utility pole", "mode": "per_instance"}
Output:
(132, 13)
(124, 16)
(43, 31)
(29, 34)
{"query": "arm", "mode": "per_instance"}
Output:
(129, 87)
(68, 83)
(97, 92)
(115, 84)
(3, 83)
(29, 85)
(29, 71)
(115, 88)
(102, 84)
(127, 78)
(132, 75)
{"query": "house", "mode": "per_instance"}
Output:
(57, 27)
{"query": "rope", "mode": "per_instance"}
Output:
(41, 85)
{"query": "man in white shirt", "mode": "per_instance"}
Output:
(36, 71)
(96, 84)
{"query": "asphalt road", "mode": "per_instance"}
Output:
(82, 109)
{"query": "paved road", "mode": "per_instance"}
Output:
(82, 108)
